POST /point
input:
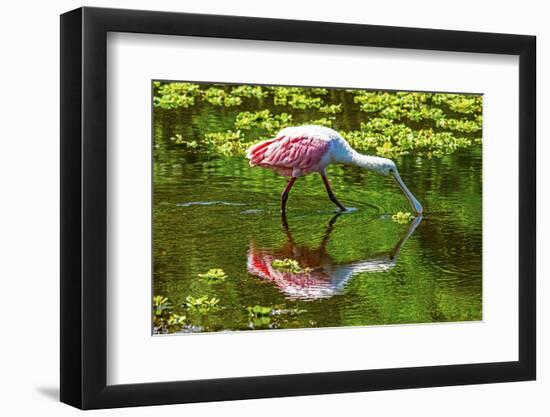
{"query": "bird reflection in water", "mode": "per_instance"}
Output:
(319, 276)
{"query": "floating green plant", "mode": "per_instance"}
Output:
(160, 304)
(180, 140)
(220, 97)
(402, 217)
(262, 119)
(321, 122)
(289, 265)
(175, 95)
(249, 91)
(395, 123)
(331, 108)
(214, 276)
(259, 316)
(301, 101)
(461, 125)
(460, 103)
(201, 304)
(259, 311)
(297, 97)
(286, 265)
(165, 319)
(389, 139)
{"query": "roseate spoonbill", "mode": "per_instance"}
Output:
(302, 150)
(323, 277)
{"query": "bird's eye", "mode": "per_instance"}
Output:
(391, 169)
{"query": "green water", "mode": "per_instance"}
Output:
(364, 268)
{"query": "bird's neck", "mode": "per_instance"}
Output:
(372, 163)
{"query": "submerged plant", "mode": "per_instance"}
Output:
(213, 276)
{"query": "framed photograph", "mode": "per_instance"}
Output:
(257, 208)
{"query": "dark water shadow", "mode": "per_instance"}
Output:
(49, 392)
(318, 276)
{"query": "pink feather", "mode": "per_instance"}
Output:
(290, 156)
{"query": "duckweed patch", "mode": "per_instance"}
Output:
(402, 217)
(214, 276)
(289, 265)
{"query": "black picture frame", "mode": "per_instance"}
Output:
(84, 207)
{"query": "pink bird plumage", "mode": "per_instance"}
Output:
(290, 156)
(302, 150)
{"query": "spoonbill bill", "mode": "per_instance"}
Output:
(301, 150)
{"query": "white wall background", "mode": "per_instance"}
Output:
(29, 225)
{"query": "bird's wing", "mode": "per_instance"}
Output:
(289, 152)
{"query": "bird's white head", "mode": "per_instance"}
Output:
(387, 167)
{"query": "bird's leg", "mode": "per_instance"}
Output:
(331, 194)
(284, 195)
(328, 231)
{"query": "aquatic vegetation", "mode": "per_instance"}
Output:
(201, 304)
(289, 265)
(262, 119)
(223, 136)
(249, 91)
(331, 108)
(161, 304)
(301, 101)
(390, 139)
(395, 123)
(461, 125)
(460, 103)
(174, 95)
(259, 316)
(165, 319)
(214, 276)
(321, 122)
(297, 97)
(259, 311)
(424, 112)
(220, 97)
(317, 91)
(271, 316)
(226, 143)
(180, 140)
(402, 217)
